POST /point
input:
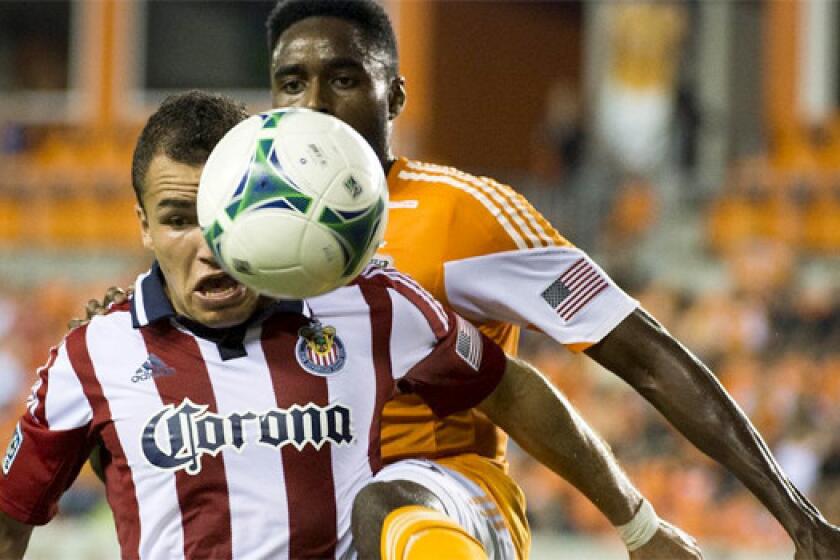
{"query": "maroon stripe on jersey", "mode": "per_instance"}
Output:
(381, 319)
(203, 497)
(431, 309)
(122, 494)
(310, 487)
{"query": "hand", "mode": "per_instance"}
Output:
(823, 543)
(95, 307)
(668, 543)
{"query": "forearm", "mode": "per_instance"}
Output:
(695, 403)
(547, 426)
(14, 537)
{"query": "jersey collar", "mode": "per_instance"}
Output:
(150, 304)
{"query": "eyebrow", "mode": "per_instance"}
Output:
(336, 63)
(179, 203)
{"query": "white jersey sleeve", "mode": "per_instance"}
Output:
(435, 353)
(417, 317)
(557, 290)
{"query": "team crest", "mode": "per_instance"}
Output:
(319, 350)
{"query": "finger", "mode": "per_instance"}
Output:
(114, 295)
(94, 308)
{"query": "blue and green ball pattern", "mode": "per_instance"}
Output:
(265, 185)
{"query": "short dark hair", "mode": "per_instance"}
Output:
(367, 15)
(186, 127)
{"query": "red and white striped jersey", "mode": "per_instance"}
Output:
(240, 443)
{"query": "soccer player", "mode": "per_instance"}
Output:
(480, 247)
(234, 426)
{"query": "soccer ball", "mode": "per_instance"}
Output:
(293, 203)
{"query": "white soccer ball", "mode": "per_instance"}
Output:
(293, 203)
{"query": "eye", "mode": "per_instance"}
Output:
(292, 86)
(180, 221)
(345, 82)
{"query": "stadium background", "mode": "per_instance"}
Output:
(693, 148)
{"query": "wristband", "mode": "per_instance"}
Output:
(639, 530)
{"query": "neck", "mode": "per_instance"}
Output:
(388, 163)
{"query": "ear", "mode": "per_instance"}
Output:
(396, 97)
(144, 227)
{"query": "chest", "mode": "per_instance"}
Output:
(179, 402)
(417, 238)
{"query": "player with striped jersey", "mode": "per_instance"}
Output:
(238, 443)
(233, 426)
(480, 247)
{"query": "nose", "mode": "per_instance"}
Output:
(204, 253)
(316, 98)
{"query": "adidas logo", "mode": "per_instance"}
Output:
(152, 367)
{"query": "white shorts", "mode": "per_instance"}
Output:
(463, 500)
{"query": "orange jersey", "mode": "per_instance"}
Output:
(480, 247)
(438, 215)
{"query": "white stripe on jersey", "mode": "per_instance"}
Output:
(65, 405)
(157, 495)
(351, 465)
(516, 199)
(412, 340)
(244, 385)
(32, 401)
(508, 199)
(139, 304)
(412, 285)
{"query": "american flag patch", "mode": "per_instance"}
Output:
(468, 344)
(575, 288)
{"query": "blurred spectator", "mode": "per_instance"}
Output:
(637, 100)
(561, 137)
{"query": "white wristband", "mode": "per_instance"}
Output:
(639, 530)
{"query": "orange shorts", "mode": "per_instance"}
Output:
(493, 478)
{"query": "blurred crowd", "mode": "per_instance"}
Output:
(758, 301)
(776, 352)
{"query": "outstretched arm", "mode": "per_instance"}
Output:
(545, 425)
(14, 537)
(646, 356)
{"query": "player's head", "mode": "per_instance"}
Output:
(185, 128)
(167, 164)
(338, 57)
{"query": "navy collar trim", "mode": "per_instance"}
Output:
(150, 304)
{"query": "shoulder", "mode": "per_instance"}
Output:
(499, 217)
(116, 316)
(402, 292)
(379, 277)
(116, 319)
(456, 185)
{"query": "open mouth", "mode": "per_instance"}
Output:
(219, 287)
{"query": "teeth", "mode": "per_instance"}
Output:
(220, 290)
(218, 287)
